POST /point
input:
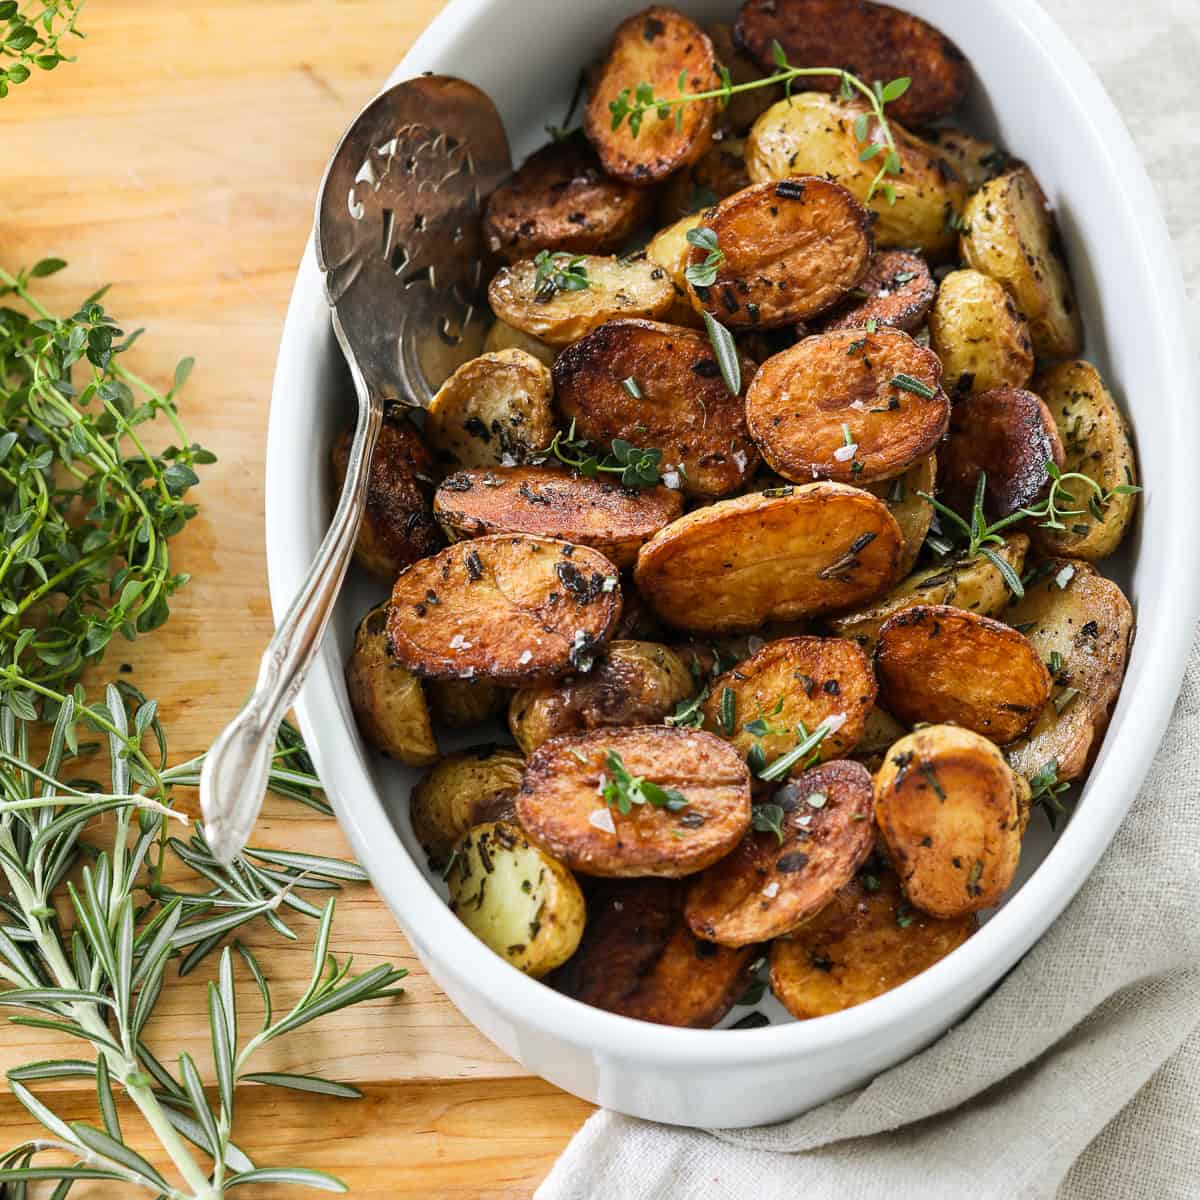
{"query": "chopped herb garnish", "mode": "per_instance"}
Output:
(728, 716)
(704, 274)
(557, 271)
(806, 749)
(768, 818)
(909, 384)
(631, 388)
(637, 467)
(623, 790)
(726, 351)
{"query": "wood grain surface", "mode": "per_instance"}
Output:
(178, 160)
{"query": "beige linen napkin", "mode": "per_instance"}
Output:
(1056, 1084)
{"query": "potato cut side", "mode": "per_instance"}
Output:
(671, 250)
(657, 46)
(515, 898)
(461, 703)
(869, 941)
(974, 158)
(719, 173)
(677, 403)
(589, 511)
(848, 405)
(503, 336)
(794, 552)
(638, 958)
(949, 810)
(943, 664)
(913, 513)
(701, 787)
(767, 886)
(504, 608)
(791, 248)
(896, 293)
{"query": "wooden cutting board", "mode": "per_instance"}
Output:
(178, 160)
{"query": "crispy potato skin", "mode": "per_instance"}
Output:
(804, 400)
(743, 108)
(975, 159)
(546, 502)
(685, 408)
(792, 248)
(738, 563)
(638, 958)
(632, 683)
(719, 173)
(948, 807)
(562, 790)
(461, 703)
(503, 336)
(896, 292)
(766, 888)
(505, 608)
(872, 41)
(561, 199)
(1096, 443)
(856, 950)
(1090, 624)
(939, 663)
(977, 332)
(913, 514)
(653, 46)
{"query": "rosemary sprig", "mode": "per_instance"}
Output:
(637, 467)
(31, 37)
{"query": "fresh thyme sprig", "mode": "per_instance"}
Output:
(636, 466)
(31, 37)
(704, 274)
(1046, 790)
(557, 271)
(623, 790)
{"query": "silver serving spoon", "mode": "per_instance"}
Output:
(398, 237)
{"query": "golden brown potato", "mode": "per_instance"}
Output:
(895, 293)
(948, 807)
(975, 159)
(880, 730)
(516, 899)
(848, 405)
(1009, 234)
(738, 563)
(632, 683)
(743, 108)
(1082, 624)
(617, 287)
(502, 336)
(1095, 443)
(493, 410)
(561, 199)
(814, 134)
(791, 248)
(867, 942)
(701, 787)
(595, 511)
(772, 883)
(912, 511)
(397, 527)
(504, 608)
(943, 664)
(872, 41)
(670, 249)
(638, 958)
(657, 46)
(720, 173)
(461, 703)
(678, 402)
(978, 334)
(389, 705)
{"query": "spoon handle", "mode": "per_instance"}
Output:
(233, 778)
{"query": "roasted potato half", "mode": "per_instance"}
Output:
(504, 608)
(617, 287)
(631, 683)
(503, 336)
(949, 810)
(1082, 624)
(720, 173)
(975, 159)
(867, 942)
(771, 884)
(1009, 234)
(848, 405)
(695, 812)
(939, 663)
(461, 703)
(896, 293)
(515, 898)
(658, 46)
(913, 513)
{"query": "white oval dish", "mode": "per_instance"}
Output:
(1037, 95)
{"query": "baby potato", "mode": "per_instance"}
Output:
(671, 250)
(1009, 234)
(771, 884)
(658, 46)
(687, 794)
(813, 134)
(867, 942)
(738, 563)
(896, 292)
(1095, 443)
(389, 705)
(493, 410)
(502, 336)
(617, 287)
(939, 663)
(978, 334)
(743, 108)
(913, 513)
(639, 959)
(791, 248)
(461, 791)
(504, 608)
(461, 703)
(632, 683)
(515, 898)
(1083, 624)
(719, 173)
(948, 807)
(848, 405)
(975, 159)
